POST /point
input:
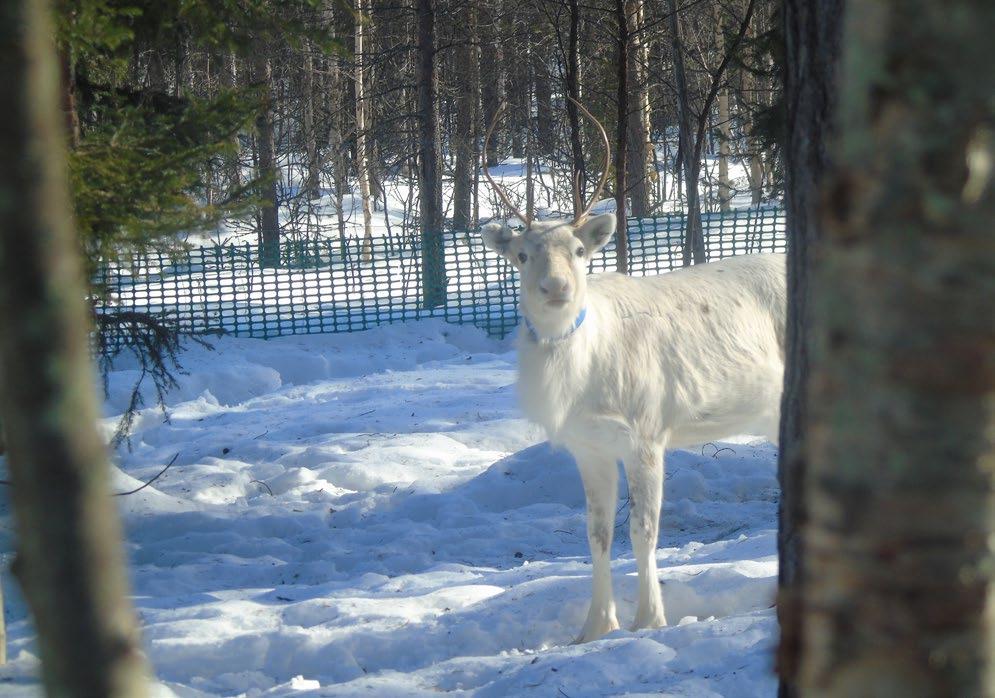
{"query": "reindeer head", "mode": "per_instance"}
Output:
(552, 257)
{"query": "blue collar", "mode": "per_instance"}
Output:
(551, 340)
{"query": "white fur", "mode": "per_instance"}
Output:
(659, 362)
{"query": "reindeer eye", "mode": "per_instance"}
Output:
(580, 251)
(522, 257)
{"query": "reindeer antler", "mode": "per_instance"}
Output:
(604, 170)
(500, 192)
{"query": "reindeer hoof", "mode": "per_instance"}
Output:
(594, 631)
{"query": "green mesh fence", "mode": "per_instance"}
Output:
(338, 286)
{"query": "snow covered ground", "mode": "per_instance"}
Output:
(368, 514)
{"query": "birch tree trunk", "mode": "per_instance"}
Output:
(362, 162)
(901, 430)
(639, 159)
(429, 157)
(723, 126)
(813, 31)
(70, 560)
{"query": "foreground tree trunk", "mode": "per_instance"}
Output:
(429, 157)
(901, 434)
(70, 560)
(812, 31)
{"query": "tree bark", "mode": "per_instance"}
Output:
(269, 219)
(492, 77)
(519, 107)
(429, 157)
(578, 173)
(812, 32)
(69, 106)
(70, 559)
(723, 127)
(229, 79)
(901, 429)
(545, 119)
(725, 134)
(621, 137)
(694, 241)
(639, 158)
(312, 184)
(467, 113)
(362, 162)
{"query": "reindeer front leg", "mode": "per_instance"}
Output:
(601, 488)
(644, 471)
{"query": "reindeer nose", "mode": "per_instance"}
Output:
(556, 286)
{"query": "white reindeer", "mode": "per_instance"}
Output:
(617, 368)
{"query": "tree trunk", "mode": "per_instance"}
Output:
(723, 127)
(578, 172)
(70, 559)
(694, 241)
(229, 79)
(622, 132)
(312, 185)
(519, 107)
(429, 156)
(269, 220)
(69, 106)
(492, 82)
(812, 32)
(467, 111)
(725, 134)
(901, 427)
(756, 178)
(362, 163)
(639, 159)
(545, 119)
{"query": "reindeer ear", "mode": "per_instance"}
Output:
(596, 232)
(498, 238)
